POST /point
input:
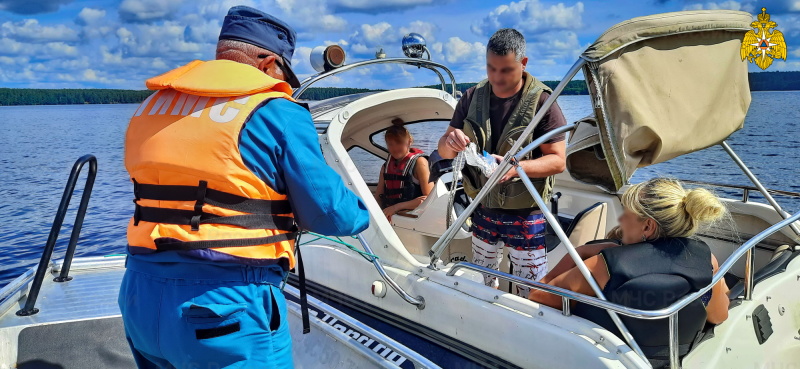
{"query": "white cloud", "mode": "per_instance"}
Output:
(729, 5)
(29, 30)
(375, 7)
(200, 30)
(301, 63)
(147, 10)
(216, 9)
(457, 50)
(780, 65)
(531, 17)
(13, 48)
(10, 60)
(436, 47)
(329, 22)
(60, 49)
(89, 16)
(370, 37)
(311, 16)
(425, 29)
(166, 39)
(372, 34)
(17, 75)
(555, 46)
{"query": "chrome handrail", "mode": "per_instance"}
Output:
(418, 301)
(422, 63)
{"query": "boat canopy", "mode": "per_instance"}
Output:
(661, 86)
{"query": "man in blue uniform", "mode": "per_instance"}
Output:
(224, 164)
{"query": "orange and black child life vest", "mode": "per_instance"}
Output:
(398, 179)
(192, 189)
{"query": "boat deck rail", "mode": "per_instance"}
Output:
(47, 254)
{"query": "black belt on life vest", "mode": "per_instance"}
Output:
(262, 214)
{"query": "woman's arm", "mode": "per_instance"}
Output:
(717, 307)
(574, 281)
(566, 263)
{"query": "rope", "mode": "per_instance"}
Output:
(367, 256)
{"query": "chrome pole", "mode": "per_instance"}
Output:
(441, 77)
(749, 274)
(674, 345)
(578, 260)
(418, 301)
(758, 184)
(565, 306)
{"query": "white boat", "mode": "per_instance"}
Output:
(403, 293)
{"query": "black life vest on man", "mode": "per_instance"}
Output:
(398, 179)
(653, 275)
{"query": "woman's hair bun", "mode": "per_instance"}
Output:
(703, 206)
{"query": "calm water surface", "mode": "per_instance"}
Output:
(39, 144)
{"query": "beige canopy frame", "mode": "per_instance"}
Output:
(662, 86)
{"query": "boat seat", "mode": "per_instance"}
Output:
(588, 225)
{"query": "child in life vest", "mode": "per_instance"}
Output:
(403, 182)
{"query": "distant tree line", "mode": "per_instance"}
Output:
(577, 87)
(774, 81)
(322, 93)
(762, 81)
(29, 96)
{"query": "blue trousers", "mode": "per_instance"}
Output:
(205, 316)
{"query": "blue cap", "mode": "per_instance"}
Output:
(255, 27)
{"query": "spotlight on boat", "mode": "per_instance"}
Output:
(380, 54)
(414, 46)
(327, 58)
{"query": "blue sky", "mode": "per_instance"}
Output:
(120, 43)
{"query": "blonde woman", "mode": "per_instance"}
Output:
(657, 264)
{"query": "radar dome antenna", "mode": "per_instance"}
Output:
(414, 46)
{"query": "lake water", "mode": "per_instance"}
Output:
(39, 144)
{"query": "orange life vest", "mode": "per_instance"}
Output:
(192, 189)
(398, 179)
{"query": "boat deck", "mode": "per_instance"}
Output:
(78, 324)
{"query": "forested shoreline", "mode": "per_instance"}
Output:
(762, 81)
